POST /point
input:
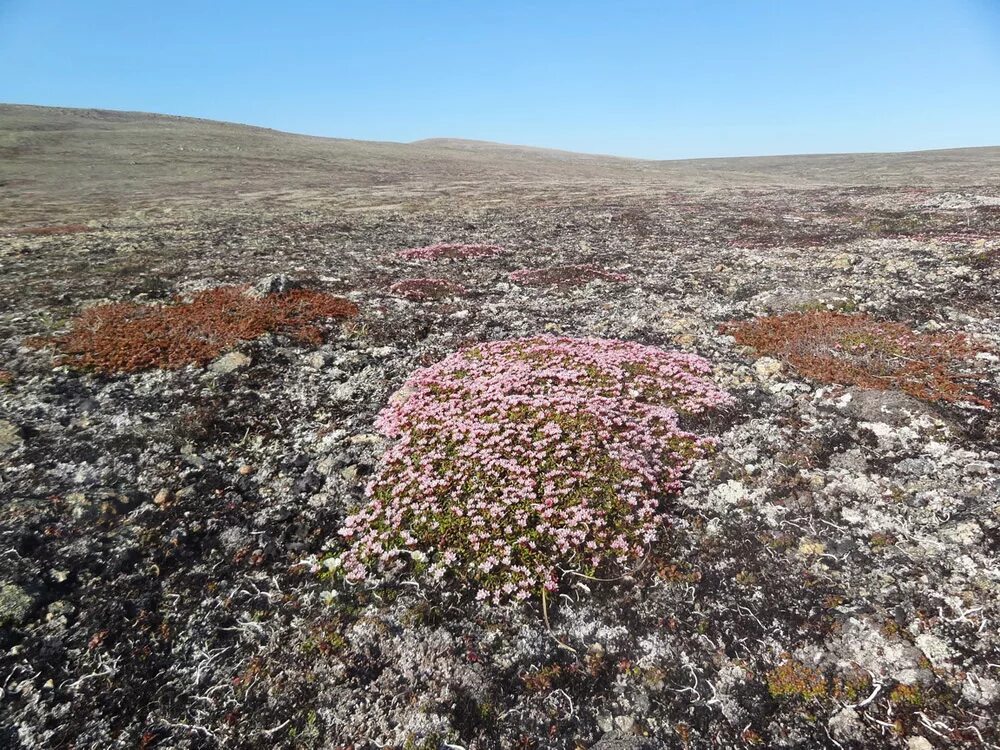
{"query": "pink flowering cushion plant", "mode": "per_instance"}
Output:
(446, 250)
(519, 459)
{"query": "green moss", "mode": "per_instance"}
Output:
(795, 680)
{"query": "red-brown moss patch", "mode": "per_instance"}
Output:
(833, 347)
(127, 337)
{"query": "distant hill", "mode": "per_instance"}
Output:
(100, 162)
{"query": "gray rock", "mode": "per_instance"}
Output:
(846, 724)
(619, 741)
(230, 362)
(892, 407)
(16, 604)
(936, 649)
(316, 360)
(275, 284)
(235, 539)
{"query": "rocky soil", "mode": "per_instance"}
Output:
(830, 577)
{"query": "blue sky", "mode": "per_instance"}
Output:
(666, 79)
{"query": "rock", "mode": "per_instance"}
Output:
(275, 284)
(625, 724)
(919, 743)
(316, 360)
(619, 741)
(891, 407)
(163, 497)
(767, 368)
(16, 604)
(342, 392)
(937, 651)
(846, 724)
(980, 690)
(235, 539)
(843, 261)
(230, 362)
(10, 436)
(965, 533)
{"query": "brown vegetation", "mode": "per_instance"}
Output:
(834, 347)
(126, 337)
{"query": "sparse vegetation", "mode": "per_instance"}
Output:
(564, 275)
(450, 251)
(422, 290)
(59, 229)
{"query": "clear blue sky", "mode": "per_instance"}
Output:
(666, 79)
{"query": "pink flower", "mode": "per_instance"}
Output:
(515, 458)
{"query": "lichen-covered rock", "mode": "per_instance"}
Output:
(16, 604)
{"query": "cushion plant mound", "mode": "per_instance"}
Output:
(518, 460)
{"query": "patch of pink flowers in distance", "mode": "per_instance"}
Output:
(564, 275)
(517, 460)
(420, 290)
(445, 250)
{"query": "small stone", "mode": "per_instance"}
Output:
(619, 741)
(843, 260)
(342, 392)
(937, 651)
(163, 497)
(366, 438)
(245, 470)
(767, 368)
(350, 473)
(235, 539)
(277, 283)
(919, 743)
(605, 723)
(185, 493)
(846, 724)
(625, 724)
(10, 436)
(981, 690)
(16, 604)
(230, 362)
(316, 360)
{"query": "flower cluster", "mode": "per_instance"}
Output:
(519, 458)
(445, 251)
(420, 290)
(564, 275)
